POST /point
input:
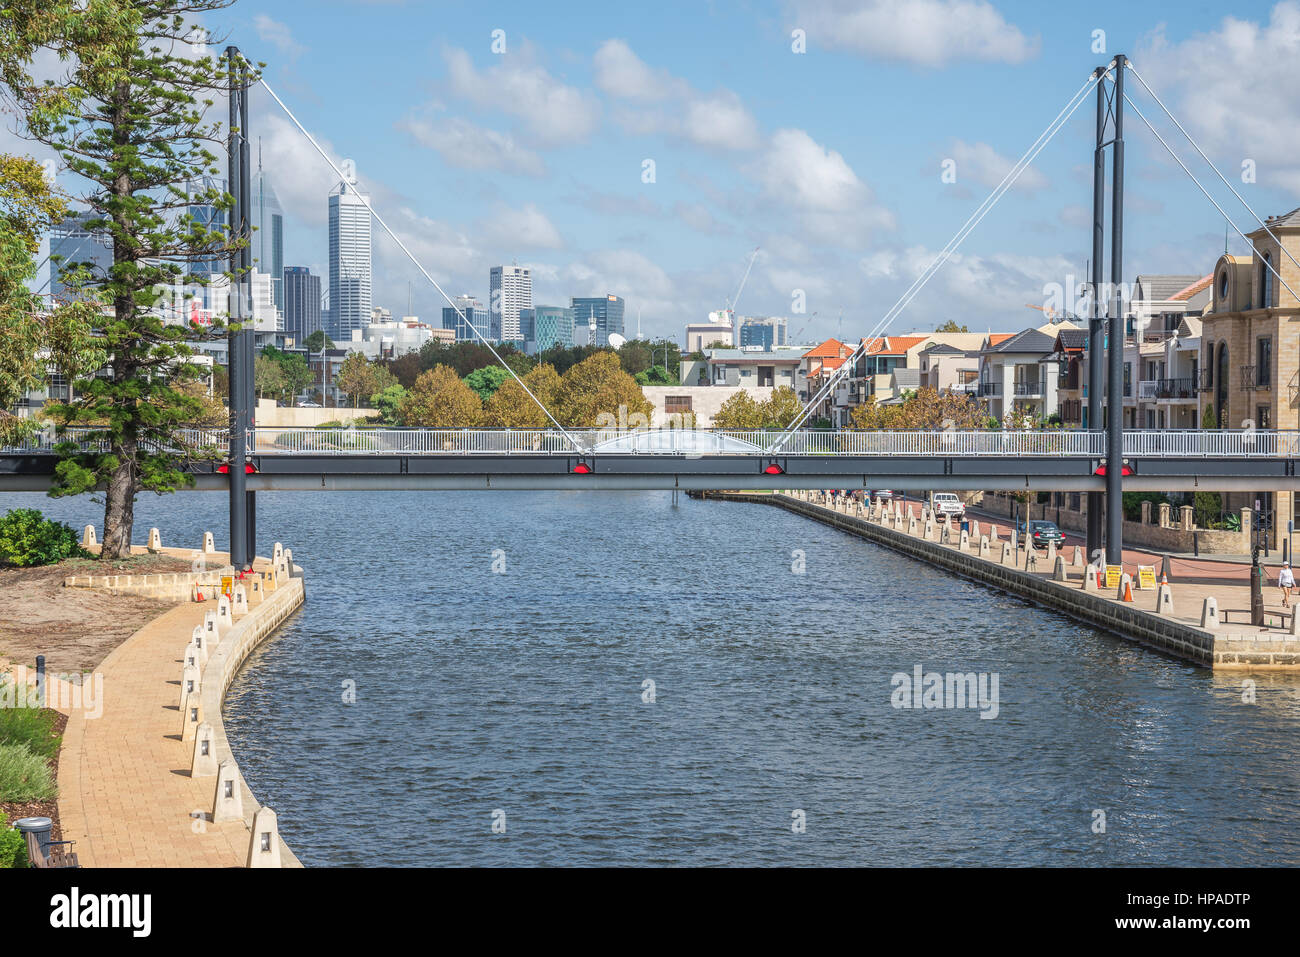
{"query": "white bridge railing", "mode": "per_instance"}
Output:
(1080, 444)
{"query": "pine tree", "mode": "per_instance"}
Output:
(127, 116)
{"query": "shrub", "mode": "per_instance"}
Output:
(24, 776)
(13, 846)
(33, 728)
(29, 538)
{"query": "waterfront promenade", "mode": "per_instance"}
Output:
(126, 795)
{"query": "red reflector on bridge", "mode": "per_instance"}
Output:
(224, 468)
(582, 468)
(774, 469)
(1125, 470)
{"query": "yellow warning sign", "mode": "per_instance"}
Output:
(1112, 575)
(227, 585)
(1146, 577)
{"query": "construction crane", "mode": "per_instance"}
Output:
(728, 313)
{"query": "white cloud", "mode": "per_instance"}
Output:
(928, 33)
(552, 112)
(510, 228)
(1225, 87)
(716, 120)
(468, 146)
(819, 187)
(621, 73)
(985, 165)
(278, 35)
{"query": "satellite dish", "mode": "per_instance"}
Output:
(719, 315)
(616, 341)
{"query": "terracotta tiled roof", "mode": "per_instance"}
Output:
(996, 338)
(892, 345)
(1194, 288)
(831, 348)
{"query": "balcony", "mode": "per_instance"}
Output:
(990, 388)
(1147, 389)
(1255, 377)
(1184, 388)
(1031, 389)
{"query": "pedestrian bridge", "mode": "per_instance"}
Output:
(375, 459)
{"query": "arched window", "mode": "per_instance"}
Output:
(1221, 385)
(1266, 281)
(1223, 288)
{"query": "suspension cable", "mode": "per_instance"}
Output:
(1193, 178)
(974, 220)
(418, 265)
(1196, 146)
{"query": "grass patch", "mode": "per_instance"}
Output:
(32, 728)
(25, 776)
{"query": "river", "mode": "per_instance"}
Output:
(500, 645)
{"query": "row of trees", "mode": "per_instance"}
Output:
(593, 393)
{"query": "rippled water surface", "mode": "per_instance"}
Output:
(521, 692)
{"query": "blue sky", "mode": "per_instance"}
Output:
(829, 160)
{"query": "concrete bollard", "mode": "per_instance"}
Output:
(204, 762)
(239, 602)
(1008, 556)
(1210, 614)
(199, 639)
(191, 715)
(1051, 553)
(211, 636)
(191, 657)
(1058, 569)
(264, 843)
(1165, 601)
(911, 524)
(975, 529)
(993, 533)
(288, 552)
(1294, 629)
(985, 552)
(228, 798)
(928, 532)
(190, 684)
(963, 542)
(155, 541)
(1077, 561)
(88, 537)
(224, 617)
(1090, 579)
(1125, 590)
(209, 543)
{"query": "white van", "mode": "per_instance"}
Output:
(947, 505)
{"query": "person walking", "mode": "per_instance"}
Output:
(1286, 582)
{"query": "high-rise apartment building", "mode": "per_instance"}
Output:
(766, 331)
(349, 261)
(607, 311)
(510, 289)
(546, 327)
(302, 314)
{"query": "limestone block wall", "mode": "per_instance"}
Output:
(224, 664)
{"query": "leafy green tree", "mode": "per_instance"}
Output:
(441, 400)
(388, 401)
(268, 377)
(740, 413)
(597, 391)
(951, 326)
(318, 341)
(127, 116)
(781, 408)
(487, 380)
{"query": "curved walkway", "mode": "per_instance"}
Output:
(125, 792)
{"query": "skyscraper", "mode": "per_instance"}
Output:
(511, 289)
(546, 327)
(72, 244)
(475, 315)
(301, 303)
(268, 243)
(349, 261)
(209, 217)
(606, 310)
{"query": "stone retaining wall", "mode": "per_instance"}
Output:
(223, 665)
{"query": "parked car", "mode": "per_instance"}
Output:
(1042, 533)
(947, 505)
(885, 493)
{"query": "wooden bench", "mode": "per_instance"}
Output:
(57, 858)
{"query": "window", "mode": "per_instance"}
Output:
(1263, 419)
(1266, 281)
(677, 404)
(1263, 361)
(1223, 287)
(1221, 385)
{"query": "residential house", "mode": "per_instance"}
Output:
(1249, 353)
(1020, 373)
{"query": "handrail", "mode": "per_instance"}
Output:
(1077, 443)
